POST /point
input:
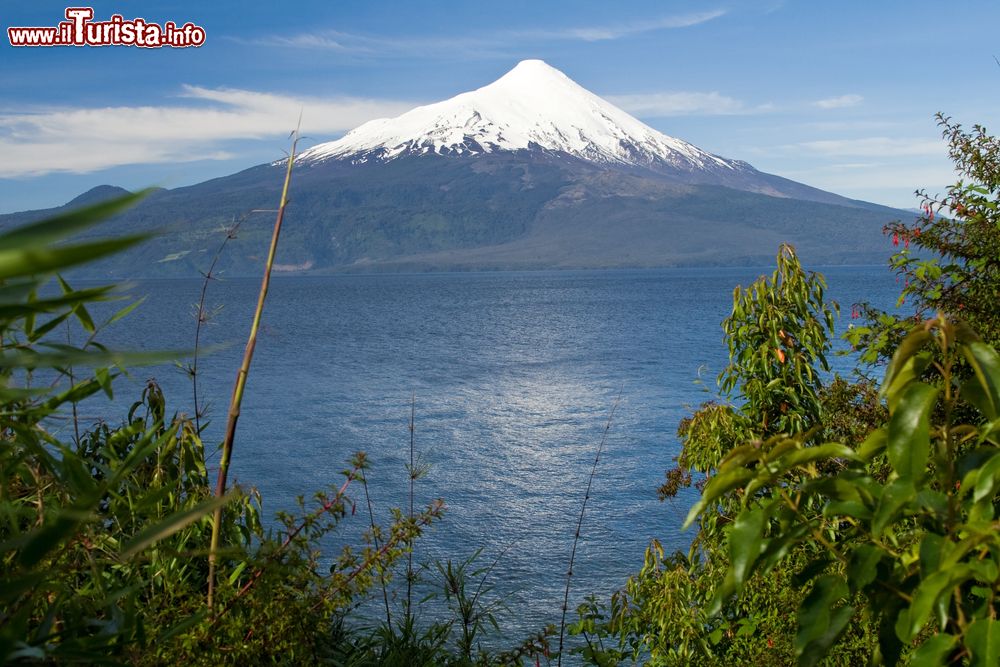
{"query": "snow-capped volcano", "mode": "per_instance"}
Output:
(529, 172)
(533, 106)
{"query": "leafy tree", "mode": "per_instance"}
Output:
(895, 532)
(669, 613)
(948, 259)
(918, 556)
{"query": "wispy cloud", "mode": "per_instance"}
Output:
(871, 179)
(653, 105)
(81, 140)
(375, 46)
(619, 30)
(878, 147)
(841, 102)
(485, 44)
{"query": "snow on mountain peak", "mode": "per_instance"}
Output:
(533, 106)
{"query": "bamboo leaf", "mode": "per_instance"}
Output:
(126, 310)
(156, 532)
(77, 357)
(34, 260)
(50, 536)
(63, 225)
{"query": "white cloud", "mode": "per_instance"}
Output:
(619, 30)
(487, 44)
(873, 147)
(81, 140)
(841, 102)
(377, 46)
(682, 104)
(908, 177)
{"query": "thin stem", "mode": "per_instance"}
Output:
(72, 381)
(325, 507)
(579, 522)
(202, 318)
(381, 574)
(413, 473)
(241, 376)
(432, 512)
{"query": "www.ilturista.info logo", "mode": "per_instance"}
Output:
(79, 29)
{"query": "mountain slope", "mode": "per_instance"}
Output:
(531, 171)
(537, 108)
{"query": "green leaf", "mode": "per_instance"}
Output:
(851, 508)
(820, 619)
(63, 225)
(893, 498)
(34, 260)
(983, 639)
(934, 652)
(915, 340)
(745, 543)
(863, 566)
(873, 444)
(50, 536)
(830, 450)
(126, 310)
(156, 532)
(717, 486)
(985, 364)
(942, 582)
(987, 480)
(910, 372)
(931, 548)
(909, 431)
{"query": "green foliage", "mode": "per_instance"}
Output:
(920, 554)
(778, 338)
(674, 612)
(843, 524)
(105, 530)
(455, 639)
(947, 258)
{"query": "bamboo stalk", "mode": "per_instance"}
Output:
(241, 376)
(579, 522)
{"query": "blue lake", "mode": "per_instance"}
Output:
(513, 376)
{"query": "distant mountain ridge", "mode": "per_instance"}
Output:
(531, 171)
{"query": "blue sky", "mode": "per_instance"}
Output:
(839, 95)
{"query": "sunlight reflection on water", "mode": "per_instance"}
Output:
(513, 377)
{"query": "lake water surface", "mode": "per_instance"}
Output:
(513, 376)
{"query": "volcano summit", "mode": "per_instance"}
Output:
(531, 171)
